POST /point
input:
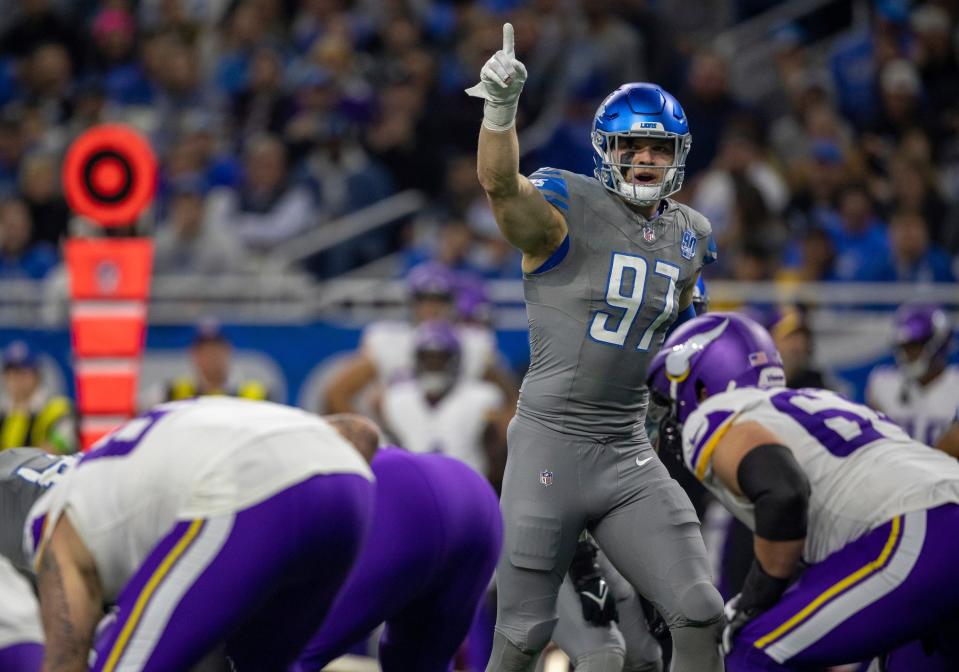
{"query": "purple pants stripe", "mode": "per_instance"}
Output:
(26, 657)
(890, 586)
(246, 582)
(838, 588)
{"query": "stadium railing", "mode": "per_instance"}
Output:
(289, 296)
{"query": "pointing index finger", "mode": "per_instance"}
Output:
(508, 39)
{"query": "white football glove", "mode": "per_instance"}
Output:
(501, 81)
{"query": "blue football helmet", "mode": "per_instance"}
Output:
(639, 110)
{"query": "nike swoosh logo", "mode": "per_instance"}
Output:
(640, 463)
(601, 600)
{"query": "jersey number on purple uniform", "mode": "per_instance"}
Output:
(842, 427)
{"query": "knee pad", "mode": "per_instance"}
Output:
(700, 605)
(608, 660)
(645, 656)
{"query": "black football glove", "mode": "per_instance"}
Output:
(760, 592)
(599, 605)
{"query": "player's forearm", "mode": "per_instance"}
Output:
(778, 558)
(69, 610)
(497, 162)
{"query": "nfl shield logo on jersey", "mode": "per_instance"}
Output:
(546, 478)
(648, 234)
(688, 247)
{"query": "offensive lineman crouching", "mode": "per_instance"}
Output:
(822, 482)
(433, 544)
(204, 522)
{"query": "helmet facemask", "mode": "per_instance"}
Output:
(437, 371)
(646, 183)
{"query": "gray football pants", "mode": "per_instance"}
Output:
(590, 646)
(555, 486)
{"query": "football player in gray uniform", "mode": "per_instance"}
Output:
(608, 263)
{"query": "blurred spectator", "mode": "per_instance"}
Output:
(710, 107)
(197, 151)
(242, 32)
(38, 22)
(449, 243)
(186, 243)
(856, 60)
(815, 258)
(262, 105)
(900, 108)
(316, 112)
(181, 95)
(612, 47)
(935, 56)
(859, 237)
(29, 414)
(39, 187)
(268, 208)
(47, 82)
(11, 151)
(809, 118)
(394, 140)
(912, 258)
(693, 22)
(124, 79)
(345, 176)
(793, 337)
(818, 177)
(742, 195)
(213, 374)
(18, 257)
(752, 263)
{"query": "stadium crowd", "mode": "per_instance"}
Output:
(271, 118)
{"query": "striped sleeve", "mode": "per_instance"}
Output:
(552, 185)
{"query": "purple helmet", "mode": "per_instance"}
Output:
(472, 301)
(437, 349)
(713, 352)
(923, 325)
(431, 278)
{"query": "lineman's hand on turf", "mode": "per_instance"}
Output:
(501, 81)
(736, 619)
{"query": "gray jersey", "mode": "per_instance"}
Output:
(25, 474)
(599, 308)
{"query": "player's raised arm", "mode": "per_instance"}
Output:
(527, 221)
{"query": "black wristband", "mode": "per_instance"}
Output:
(760, 590)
